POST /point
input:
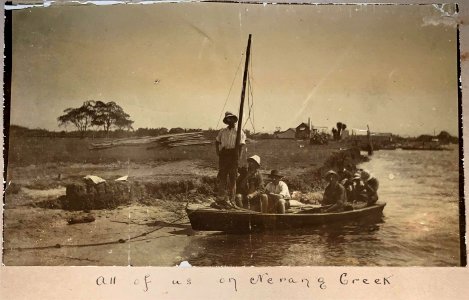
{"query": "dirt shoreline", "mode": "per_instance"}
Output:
(146, 232)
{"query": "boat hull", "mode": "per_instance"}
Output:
(209, 219)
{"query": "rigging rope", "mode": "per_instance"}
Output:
(229, 92)
(250, 100)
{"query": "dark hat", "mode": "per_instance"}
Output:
(229, 115)
(329, 173)
(275, 173)
(346, 173)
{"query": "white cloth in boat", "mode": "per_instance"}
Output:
(281, 188)
(227, 138)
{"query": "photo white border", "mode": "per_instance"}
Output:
(406, 282)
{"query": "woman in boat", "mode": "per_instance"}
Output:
(334, 196)
(277, 194)
(250, 185)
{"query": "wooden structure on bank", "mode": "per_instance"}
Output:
(303, 131)
(168, 140)
(290, 133)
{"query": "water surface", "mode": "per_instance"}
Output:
(420, 226)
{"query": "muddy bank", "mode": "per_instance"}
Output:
(139, 228)
(85, 195)
(135, 235)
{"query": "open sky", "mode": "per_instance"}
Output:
(393, 67)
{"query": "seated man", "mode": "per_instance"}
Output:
(334, 196)
(249, 185)
(347, 181)
(370, 186)
(277, 194)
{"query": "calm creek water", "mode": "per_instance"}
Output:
(420, 226)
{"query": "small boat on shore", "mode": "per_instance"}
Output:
(242, 220)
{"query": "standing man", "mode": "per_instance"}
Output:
(226, 150)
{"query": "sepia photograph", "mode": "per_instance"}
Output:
(234, 134)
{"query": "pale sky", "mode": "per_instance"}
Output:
(393, 67)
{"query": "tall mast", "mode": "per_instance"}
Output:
(241, 105)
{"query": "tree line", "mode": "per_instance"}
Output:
(21, 131)
(443, 137)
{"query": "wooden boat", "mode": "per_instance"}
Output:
(243, 220)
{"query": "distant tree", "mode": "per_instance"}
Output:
(334, 133)
(444, 137)
(111, 114)
(339, 126)
(176, 130)
(339, 129)
(344, 126)
(124, 124)
(424, 138)
(82, 117)
(192, 130)
(162, 130)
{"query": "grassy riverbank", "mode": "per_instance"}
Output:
(39, 170)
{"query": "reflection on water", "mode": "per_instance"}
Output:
(419, 227)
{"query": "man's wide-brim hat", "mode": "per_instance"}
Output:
(256, 159)
(229, 115)
(275, 174)
(331, 173)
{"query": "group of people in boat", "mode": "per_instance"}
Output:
(346, 191)
(249, 191)
(252, 193)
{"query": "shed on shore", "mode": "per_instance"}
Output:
(303, 131)
(287, 134)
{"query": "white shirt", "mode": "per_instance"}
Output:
(227, 138)
(281, 189)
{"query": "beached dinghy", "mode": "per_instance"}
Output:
(243, 220)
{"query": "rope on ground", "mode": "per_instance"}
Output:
(119, 241)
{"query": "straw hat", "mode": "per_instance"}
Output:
(255, 158)
(229, 115)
